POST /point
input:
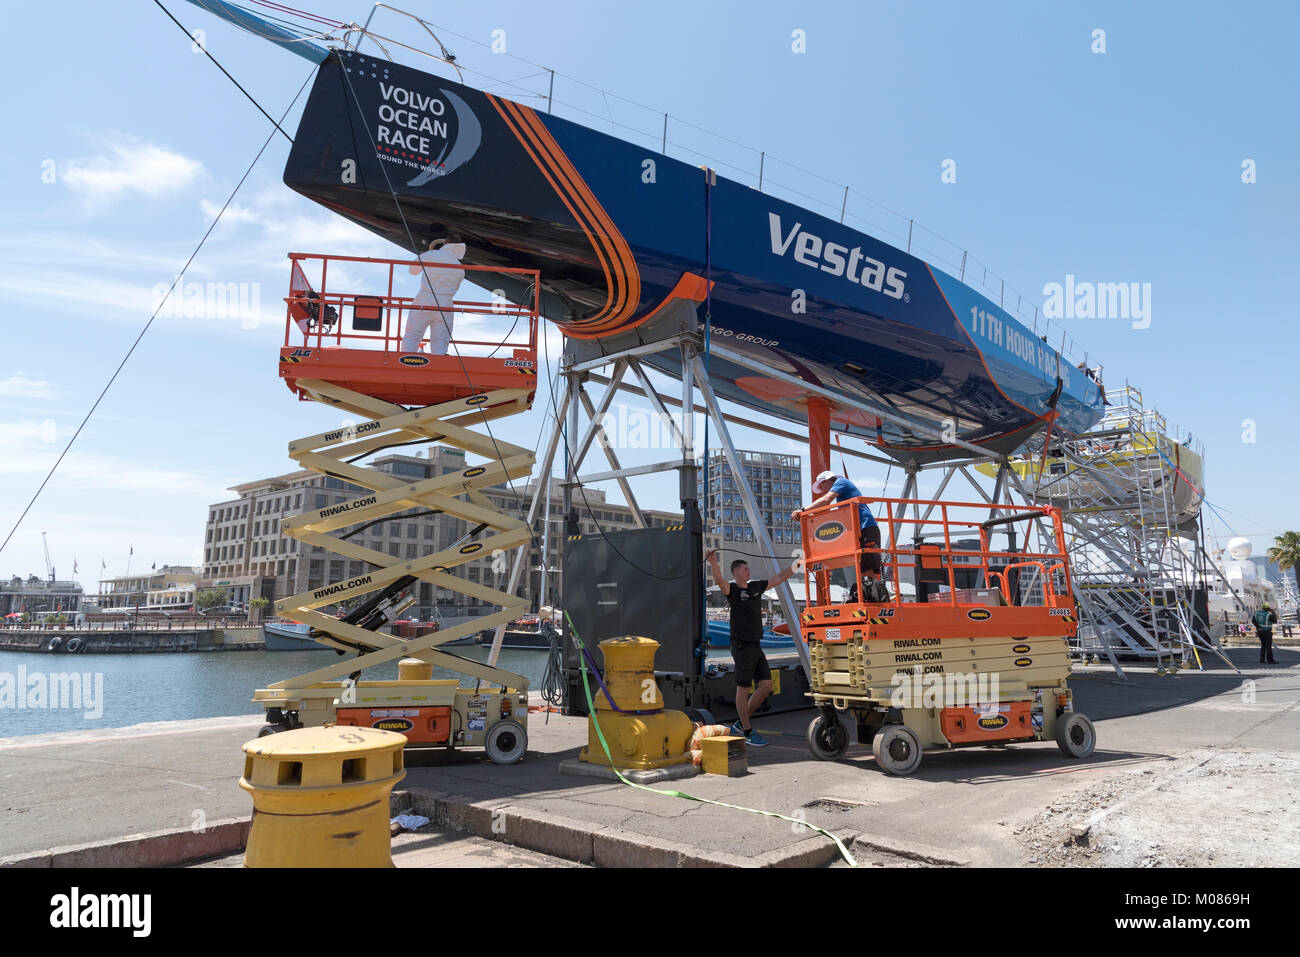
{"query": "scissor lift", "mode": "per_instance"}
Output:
(977, 654)
(403, 398)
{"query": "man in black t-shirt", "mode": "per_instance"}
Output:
(746, 600)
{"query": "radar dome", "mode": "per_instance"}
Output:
(1239, 548)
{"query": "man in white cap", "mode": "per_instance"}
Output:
(432, 305)
(829, 487)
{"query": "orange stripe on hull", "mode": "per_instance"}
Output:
(630, 295)
(544, 168)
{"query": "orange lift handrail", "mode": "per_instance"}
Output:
(830, 540)
(301, 302)
(365, 355)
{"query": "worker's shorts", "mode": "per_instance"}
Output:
(751, 664)
(869, 537)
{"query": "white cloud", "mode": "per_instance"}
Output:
(28, 449)
(130, 165)
(103, 298)
(19, 386)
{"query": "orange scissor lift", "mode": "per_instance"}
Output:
(978, 653)
(342, 349)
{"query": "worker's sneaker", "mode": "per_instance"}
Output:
(755, 740)
(737, 729)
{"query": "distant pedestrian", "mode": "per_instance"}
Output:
(1264, 620)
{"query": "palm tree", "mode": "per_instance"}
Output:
(1285, 553)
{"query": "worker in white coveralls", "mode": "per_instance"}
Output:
(431, 309)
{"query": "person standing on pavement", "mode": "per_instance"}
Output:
(1264, 620)
(745, 596)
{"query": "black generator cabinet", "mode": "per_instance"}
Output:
(644, 581)
(650, 582)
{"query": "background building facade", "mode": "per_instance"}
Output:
(243, 538)
(35, 596)
(777, 482)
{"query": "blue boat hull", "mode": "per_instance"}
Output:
(620, 232)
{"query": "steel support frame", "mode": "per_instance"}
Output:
(576, 399)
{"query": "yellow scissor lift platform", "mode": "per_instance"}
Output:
(977, 655)
(456, 393)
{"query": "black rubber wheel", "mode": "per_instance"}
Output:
(506, 742)
(1075, 735)
(897, 749)
(74, 645)
(826, 740)
(266, 729)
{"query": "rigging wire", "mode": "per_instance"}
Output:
(204, 48)
(296, 12)
(397, 204)
(147, 325)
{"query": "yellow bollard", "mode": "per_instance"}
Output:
(639, 741)
(321, 797)
(413, 669)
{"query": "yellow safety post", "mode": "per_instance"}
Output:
(413, 669)
(321, 797)
(641, 734)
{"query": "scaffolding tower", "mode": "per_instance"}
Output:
(1130, 493)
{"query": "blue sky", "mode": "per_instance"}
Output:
(1116, 166)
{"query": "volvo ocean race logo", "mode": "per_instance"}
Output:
(436, 134)
(811, 251)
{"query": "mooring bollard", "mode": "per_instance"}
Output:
(321, 797)
(414, 669)
(641, 734)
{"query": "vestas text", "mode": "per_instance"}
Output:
(812, 251)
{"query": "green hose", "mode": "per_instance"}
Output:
(591, 709)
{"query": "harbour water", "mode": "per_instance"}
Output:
(119, 690)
